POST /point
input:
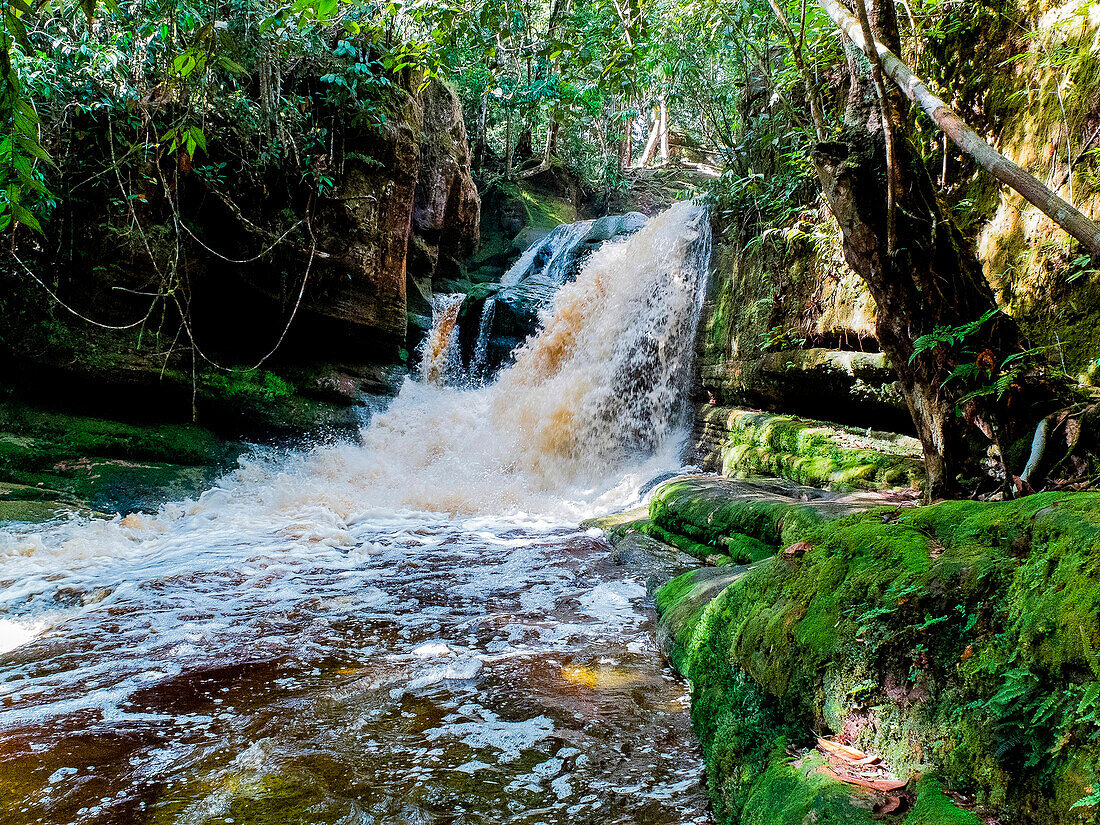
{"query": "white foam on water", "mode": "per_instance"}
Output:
(14, 633)
(437, 556)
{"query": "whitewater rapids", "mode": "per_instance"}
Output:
(406, 629)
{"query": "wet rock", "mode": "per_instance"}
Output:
(411, 211)
(849, 387)
(532, 281)
(529, 286)
(446, 206)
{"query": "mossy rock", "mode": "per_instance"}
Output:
(933, 807)
(720, 513)
(958, 641)
(748, 444)
(51, 463)
(617, 525)
(792, 794)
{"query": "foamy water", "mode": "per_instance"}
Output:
(407, 629)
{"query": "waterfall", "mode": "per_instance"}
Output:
(530, 284)
(594, 406)
(601, 390)
(441, 361)
(480, 362)
(554, 250)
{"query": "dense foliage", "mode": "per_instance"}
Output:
(586, 82)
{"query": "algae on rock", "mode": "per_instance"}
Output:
(957, 641)
(747, 443)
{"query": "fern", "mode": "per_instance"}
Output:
(949, 336)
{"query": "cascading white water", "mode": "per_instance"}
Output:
(390, 630)
(554, 249)
(594, 405)
(480, 363)
(441, 360)
(596, 397)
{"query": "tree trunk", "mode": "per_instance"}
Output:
(480, 142)
(551, 145)
(807, 82)
(651, 143)
(664, 130)
(933, 279)
(1058, 210)
(508, 152)
(626, 150)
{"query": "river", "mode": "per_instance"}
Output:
(407, 629)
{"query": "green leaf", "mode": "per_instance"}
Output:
(183, 64)
(1091, 799)
(22, 215)
(31, 147)
(196, 136)
(230, 65)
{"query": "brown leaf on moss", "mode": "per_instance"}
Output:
(797, 550)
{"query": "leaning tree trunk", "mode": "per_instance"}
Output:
(1066, 215)
(932, 279)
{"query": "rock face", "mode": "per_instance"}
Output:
(856, 385)
(745, 443)
(413, 212)
(789, 328)
(308, 264)
(375, 202)
(446, 212)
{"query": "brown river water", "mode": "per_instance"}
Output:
(408, 629)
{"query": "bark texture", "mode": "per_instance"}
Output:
(933, 279)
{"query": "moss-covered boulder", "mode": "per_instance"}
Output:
(748, 443)
(958, 642)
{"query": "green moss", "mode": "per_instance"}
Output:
(79, 461)
(748, 549)
(932, 807)
(617, 525)
(695, 508)
(815, 453)
(967, 631)
(543, 210)
(251, 386)
(787, 794)
(690, 546)
(42, 437)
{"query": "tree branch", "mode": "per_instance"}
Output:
(1058, 210)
